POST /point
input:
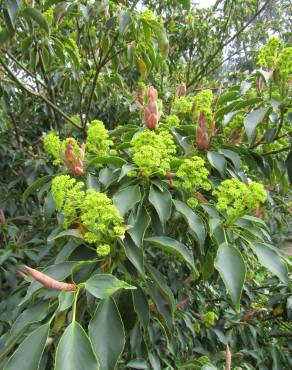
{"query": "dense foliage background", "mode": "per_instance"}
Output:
(146, 163)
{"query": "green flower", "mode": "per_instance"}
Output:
(284, 62)
(68, 196)
(52, 146)
(153, 151)
(203, 102)
(209, 318)
(172, 120)
(238, 198)
(97, 138)
(235, 123)
(100, 217)
(103, 250)
(181, 106)
(193, 175)
(269, 53)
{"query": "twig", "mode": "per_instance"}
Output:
(212, 56)
(39, 95)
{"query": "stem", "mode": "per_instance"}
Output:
(39, 95)
(101, 64)
(75, 305)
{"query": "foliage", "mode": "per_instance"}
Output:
(153, 244)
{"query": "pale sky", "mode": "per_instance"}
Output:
(205, 3)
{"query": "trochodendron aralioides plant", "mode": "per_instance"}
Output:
(157, 244)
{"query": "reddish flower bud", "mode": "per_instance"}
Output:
(72, 161)
(152, 113)
(204, 131)
(48, 282)
(181, 90)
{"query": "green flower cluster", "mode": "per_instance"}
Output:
(52, 146)
(100, 217)
(172, 120)
(193, 175)
(148, 15)
(285, 62)
(269, 53)
(103, 250)
(274, 56)
(203, 102)
(236, 122)
(209, 318)
(238, 198)
(68, 196)
(97, 138)
(182, 106)
(96, 211)
(153, 151)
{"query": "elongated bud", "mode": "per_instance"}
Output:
(48, 282)
(72, 161)
(181, 90)
(204, 131)
(228, 358)
(152, 113)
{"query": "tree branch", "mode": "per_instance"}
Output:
(38, 95)
(212, 56)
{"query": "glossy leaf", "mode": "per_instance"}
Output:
(161, 201)
(218, 161)
(174, 247)
(194, 221)
(37, 16)
(35, 186)
(28, 354)
(141, 223)
(74, 351)
(107, 335)
(269, 258)
(141, 307)
(126, 198)
(231, 266)
(252, 120)
(104, 285)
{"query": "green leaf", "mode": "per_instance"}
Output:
(234, 157)
(161, 284)
(289, 166)
(70, 232)
(141, 224)
(125, 19)
(218, 161)
(141, 307)
(36, 185)
(74, 351)
(195, 222)
(126, 198)
(108, 160)
(12, 7)
(138, 364)
(35, 313)
(251, 121)
(224, 98)
(269, 258)
(29, 353)
(107, 334)
(104, 285)
(174, 247)
(163, 305)
(161, 201)
(66, 300)
(231, 266)
(37, 16)
(5, 36)
(134, 254)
